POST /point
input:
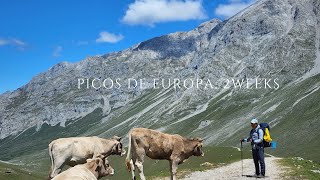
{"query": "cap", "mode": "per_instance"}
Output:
(254, 121)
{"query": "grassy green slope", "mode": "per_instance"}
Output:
(38, 164)
(16, 172)
(301, 169)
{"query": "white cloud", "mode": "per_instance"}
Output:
(4, 42)
(149, 12)
(18, 42)
(109, 37)
(57, 51)
(232, 8)
(14, 42)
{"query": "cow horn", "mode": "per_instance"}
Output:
(117, 138)
(197, 139)
(100, 156)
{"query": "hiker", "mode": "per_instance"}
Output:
(256, 140)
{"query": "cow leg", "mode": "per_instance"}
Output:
(170, 162)
(132, 170)
(57, 167)
(55, 172)
(139, 161)
(140, 168)
(173, 169)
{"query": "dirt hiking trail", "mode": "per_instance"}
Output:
(233, 171)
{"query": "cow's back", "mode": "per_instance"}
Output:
(77, 142)
(157, 145)
(75, 148)
(76, 173)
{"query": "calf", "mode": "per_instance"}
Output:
(76, 150)
(92, 170)
(157, 145)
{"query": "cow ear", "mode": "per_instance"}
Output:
(98, 164)
(91, 164)
(198, 139)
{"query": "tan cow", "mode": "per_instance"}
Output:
(76, 150)
(93, 169)
(157, 145)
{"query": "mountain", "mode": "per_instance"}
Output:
(273, 46)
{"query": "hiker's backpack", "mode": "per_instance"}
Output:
(266, 134)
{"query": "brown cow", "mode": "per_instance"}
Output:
(157, 145)
(76, 150)
(92, 170)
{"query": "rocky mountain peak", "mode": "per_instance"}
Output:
(207, 26)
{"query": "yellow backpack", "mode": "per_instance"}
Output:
(266, 134)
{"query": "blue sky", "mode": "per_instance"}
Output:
(37, 34)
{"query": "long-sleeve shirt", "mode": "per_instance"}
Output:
(257, 139)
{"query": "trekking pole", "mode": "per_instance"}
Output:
(241, 160)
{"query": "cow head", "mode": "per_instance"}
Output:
(118, 149)
(197, 151)
(100, 167)
(108, 169)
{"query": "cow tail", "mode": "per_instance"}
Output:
(51, 158)
(128, 158)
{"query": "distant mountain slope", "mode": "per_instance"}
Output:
(271, 39)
